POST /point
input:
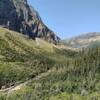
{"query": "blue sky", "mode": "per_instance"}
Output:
(68, 18)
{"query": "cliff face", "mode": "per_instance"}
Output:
(17, 15)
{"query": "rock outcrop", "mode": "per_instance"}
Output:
(17, 15)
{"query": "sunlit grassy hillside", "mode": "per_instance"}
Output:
(50, 73)
(22, 58)
(78, 80)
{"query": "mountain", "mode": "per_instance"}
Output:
(84, 40)
(18, 16)
(34, 69)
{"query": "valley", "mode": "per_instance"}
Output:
(35, 64)
(45, 71)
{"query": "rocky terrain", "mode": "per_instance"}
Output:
(17, 15)
(84, 40)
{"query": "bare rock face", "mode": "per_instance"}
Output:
(17, 15)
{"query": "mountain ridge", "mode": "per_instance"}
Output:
(18, 16)
(83, 40)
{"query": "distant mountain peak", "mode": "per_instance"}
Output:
(84, 40)
(17, 15)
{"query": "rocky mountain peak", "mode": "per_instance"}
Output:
(17, 15)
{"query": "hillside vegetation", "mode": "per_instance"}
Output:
(54, 74)
(22, 58)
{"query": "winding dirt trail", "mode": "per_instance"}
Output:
(19, 86)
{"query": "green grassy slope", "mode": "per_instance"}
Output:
(22, 58)
(79, 80)
(66, 75)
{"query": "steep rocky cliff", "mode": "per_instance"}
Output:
(17, 15)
